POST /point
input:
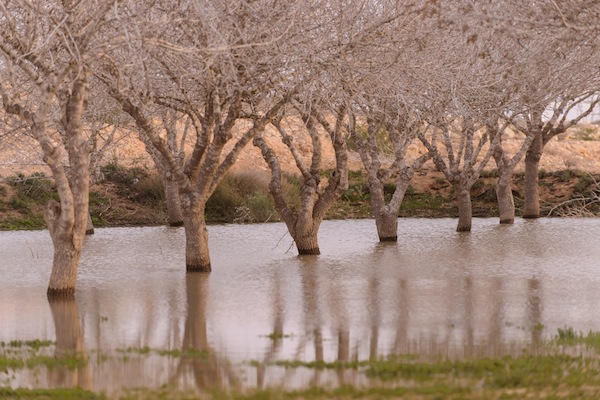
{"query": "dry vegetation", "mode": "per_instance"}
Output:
(130, 192)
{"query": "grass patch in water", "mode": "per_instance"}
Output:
(14, 361)
(569, 337)
(190, 352)
(49, 394)
(28, 354)
(35, 344)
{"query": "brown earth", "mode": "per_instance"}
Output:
(577, 151)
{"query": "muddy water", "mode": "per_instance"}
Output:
(436, 292)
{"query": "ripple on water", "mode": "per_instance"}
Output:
(435, 291)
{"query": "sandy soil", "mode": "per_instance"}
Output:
(579, 149)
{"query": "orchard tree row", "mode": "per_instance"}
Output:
(200, 80)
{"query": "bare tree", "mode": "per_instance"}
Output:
(317, 195)
(543, 125)
(505, 165)
(221, 68)
(46, 48)
(545, 56)
(465, 153)
(401, 127)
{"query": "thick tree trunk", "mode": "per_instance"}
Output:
(197, 256)
(465, 210)
(506, 204)
(89, 230)
(386, 221)
(174, 213)
(531, 206)
(67, 221)
(66, 253)
(307, 242)
(504, 196)
(387, 225)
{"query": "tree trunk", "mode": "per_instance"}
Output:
(66, 254)
(174, 214)
(465, 210)
(387, 225)
(385, 219)
(506, 204)
(89, 229)
(197, 257)
(307, 242)
(531, 207)
(67, 221)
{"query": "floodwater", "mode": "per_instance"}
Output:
(436, 293)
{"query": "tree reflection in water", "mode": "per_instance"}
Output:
(208, 368)
(430, 295)
(69, 343)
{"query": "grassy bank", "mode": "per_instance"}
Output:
(566, 367)
(134, 197)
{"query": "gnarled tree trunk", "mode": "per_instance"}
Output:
(506, 204)
(67, 251)
(306, 239)
(197, 256)
(386, 219)
(174, 214)
(531, 207)
(465, 209)
(67, 221)
(387, 225)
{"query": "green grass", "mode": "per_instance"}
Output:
(554, 371)
(50, 394)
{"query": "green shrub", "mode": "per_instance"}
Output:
(261, 207)
(565, 175)
(149, 188)
(583, 184)
(292, 190)
(223, 202)
(489, 173)
(120, 174)
(356, 193)
(36, 187)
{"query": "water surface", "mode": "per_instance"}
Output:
(436, 293)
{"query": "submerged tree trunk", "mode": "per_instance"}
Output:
(89, 230)
(506, 203)
(386, 219)
(197, 256)
(504, 196)
(386, 216)
(174, 213)
(465, 210)
(67, 221)
(306, 241)
(531, 206)
(66, 255)
(387, 225)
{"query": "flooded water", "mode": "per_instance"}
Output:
(435, 293)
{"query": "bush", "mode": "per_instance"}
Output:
(119, 174)
(149, 188)
(261, 207)
(583, 185)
